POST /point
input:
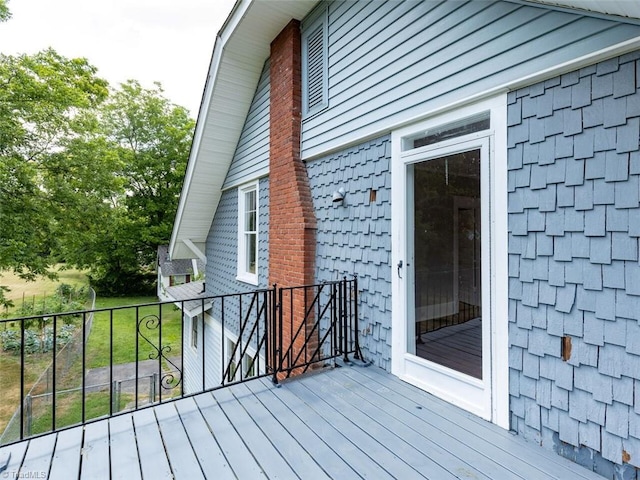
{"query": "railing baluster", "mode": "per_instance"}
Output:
(53, 374)
(111, 389)
(160, 346)
(204, 353)
(137, 347)
(22, 349)
(84, 363)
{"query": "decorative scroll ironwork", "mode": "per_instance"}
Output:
(169, 380)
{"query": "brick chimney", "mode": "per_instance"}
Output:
(292, 222)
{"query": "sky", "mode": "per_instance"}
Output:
(169, 41)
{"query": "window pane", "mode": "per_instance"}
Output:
(473, 124)
(447, 265)
(250, 241)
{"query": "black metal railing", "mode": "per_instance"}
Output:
(129, 357)
(328, 328)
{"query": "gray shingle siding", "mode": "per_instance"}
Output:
(355, 238)
(574, 218)
(222, 251)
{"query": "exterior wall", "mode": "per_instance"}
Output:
(392, 61)
(222, 244)
(574, 227)
(192, 366)
(251, 158)
(355, 238)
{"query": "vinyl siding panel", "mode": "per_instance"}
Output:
(251, 158)
(392, 61)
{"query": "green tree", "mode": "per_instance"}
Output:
(147, 140)
(5, 14)
(43, 98)
(87, 176)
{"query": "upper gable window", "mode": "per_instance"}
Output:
(248, 233)
(314, 65)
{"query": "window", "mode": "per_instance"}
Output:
(248, 363)
(178, 280)
(194, 332)
(248, 233)
(314, 65)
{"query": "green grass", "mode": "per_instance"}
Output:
(125, 322)
(69, 406)
(22, 290)
(69, 409)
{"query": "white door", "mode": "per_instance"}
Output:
(446, 332)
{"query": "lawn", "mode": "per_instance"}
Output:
(122, 338)
(113, 335)
(21, 290)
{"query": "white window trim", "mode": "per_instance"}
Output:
(307, 29)
(243, 275)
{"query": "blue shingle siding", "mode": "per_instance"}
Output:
(222, 252)
(574, 212)
(355, 238)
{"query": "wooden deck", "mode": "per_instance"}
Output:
(350, 422)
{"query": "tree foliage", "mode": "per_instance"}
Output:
(5, 13)
(88, 175)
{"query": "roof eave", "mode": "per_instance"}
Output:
(239, 53)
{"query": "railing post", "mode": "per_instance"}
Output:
(358, 354)
(343, 319)
(22, 399)
(276, 342)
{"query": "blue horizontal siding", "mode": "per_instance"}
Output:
(392, 61)
(251, 157)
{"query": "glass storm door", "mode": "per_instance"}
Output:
(447, 261)
(449, 253)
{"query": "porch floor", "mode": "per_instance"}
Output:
(350, 422)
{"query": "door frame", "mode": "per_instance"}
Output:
(494, 402)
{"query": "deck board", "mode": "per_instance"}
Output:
(231, 444)
(286, 445)
(327, 458)
(345, 423)
(37, 460)
(256, 441)
(124, 450)
(95, 451)
(537, 461)
(446, 451)
(204, 444)
(182, 458)
(350, 452)
(363, 432)
(66, 458)
(153, 458)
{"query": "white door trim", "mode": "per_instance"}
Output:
(494, 407)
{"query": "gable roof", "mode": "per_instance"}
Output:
(170, 267)
(239, 53)
(240, 50)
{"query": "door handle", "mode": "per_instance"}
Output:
(399, 267)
